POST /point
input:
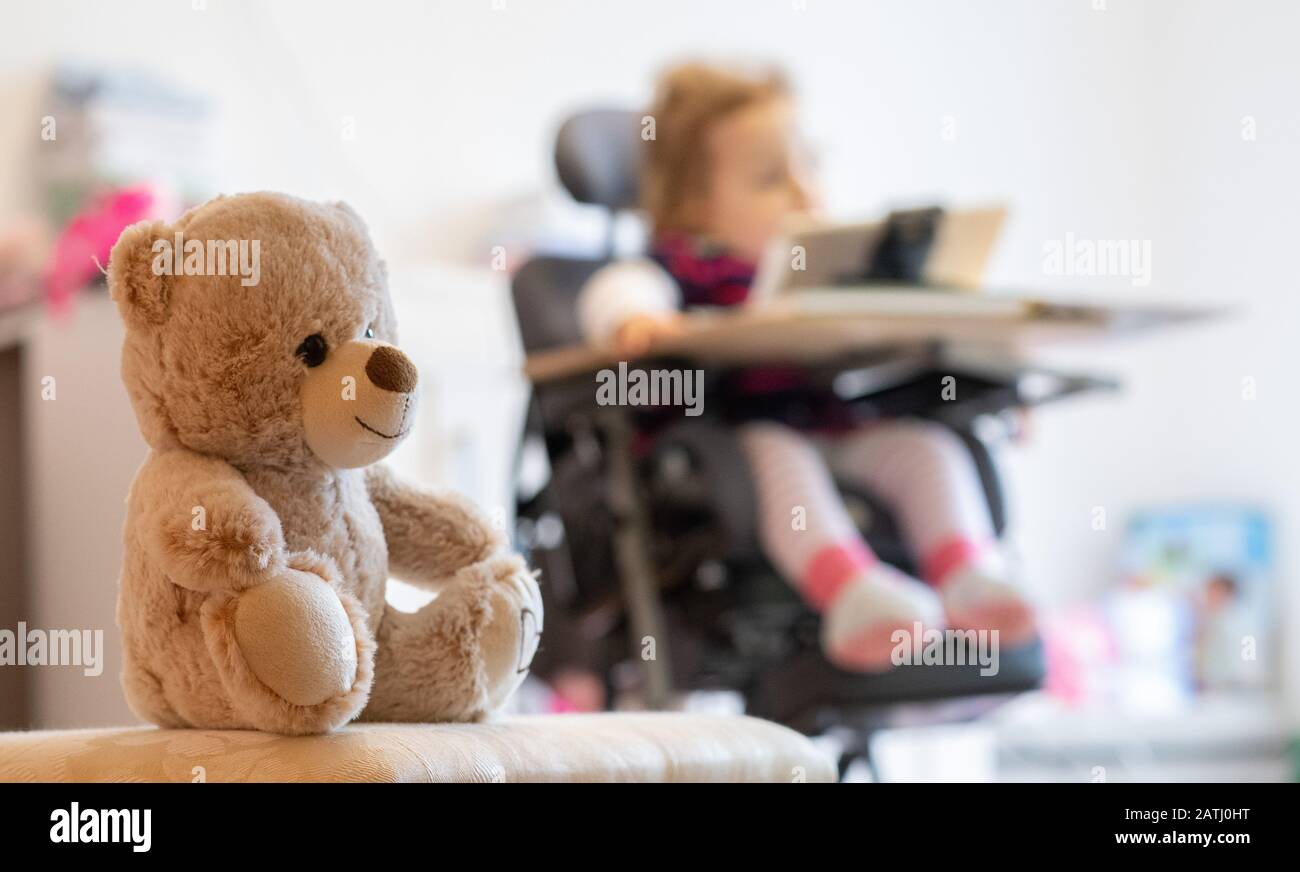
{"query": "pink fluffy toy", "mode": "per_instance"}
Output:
(83, 246)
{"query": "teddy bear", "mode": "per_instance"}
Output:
(262, 529)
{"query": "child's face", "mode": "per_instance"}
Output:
(758, 177)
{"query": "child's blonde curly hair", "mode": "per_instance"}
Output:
(689, 99)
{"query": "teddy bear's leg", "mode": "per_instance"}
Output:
(293, 653)
(461, 656)
(145, 696)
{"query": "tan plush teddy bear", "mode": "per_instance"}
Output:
(260, 536)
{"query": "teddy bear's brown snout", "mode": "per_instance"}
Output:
(390, 369)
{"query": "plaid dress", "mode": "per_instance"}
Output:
(709, 276)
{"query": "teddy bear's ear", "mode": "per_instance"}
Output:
(140, 289)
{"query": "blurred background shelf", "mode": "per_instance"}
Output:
(1215, 738)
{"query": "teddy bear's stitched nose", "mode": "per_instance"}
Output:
(391, 370)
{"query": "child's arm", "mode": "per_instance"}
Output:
(629, 305)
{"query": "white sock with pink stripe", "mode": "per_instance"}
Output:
(864, 604)
(927, 476)
(971, 580)
(862, 600)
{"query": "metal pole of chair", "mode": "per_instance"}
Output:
(638, 578)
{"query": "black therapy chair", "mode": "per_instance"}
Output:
(643, 524)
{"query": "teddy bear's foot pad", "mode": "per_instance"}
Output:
(293, 653)
(511, 636)
(296, 638)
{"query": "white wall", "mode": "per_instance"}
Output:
(1111, 124)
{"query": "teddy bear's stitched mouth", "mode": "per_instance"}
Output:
(398, 435)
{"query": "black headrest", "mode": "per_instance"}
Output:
(597, 154)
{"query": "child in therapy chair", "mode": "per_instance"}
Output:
(720, 179)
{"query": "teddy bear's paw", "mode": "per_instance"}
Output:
(514, 630)
(239, 544)
(296, 638)
(294, 654)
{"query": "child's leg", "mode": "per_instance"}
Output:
(928, 478)
(808, 535)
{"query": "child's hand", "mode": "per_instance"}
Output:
(637, 334)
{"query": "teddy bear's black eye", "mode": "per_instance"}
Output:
(312, 351)
(370, 332)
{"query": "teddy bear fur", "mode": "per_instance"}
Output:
(252, 592)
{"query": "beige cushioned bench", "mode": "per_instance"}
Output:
(604, 747)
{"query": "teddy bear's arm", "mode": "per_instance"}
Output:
(203, 525)
(430, 534)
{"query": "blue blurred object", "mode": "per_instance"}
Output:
(1200, 577)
